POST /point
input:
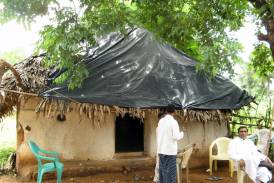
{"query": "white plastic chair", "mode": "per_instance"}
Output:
(222, 144)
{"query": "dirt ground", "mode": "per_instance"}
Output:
(196, 176)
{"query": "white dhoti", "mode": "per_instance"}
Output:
(255, 172)
(251, 166)
(263, 175)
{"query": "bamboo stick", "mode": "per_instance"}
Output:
(270, 131)
(19, 92)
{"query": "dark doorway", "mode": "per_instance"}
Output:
(129, 134)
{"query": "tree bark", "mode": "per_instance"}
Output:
(267, 18)
(4, 66)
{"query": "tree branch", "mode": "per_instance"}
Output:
(5, 66)
(257, 3)
(263, 37)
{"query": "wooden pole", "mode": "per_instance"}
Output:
(271, 118)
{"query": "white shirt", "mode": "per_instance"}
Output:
(167, 135)
(246, 150)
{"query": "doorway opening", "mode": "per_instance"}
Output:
(129, 134)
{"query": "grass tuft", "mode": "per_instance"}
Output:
(4, 155)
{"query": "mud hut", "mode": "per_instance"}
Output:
(111, 119)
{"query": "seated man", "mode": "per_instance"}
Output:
(245, 153)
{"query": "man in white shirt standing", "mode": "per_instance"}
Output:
(168, 134)
(245, 153)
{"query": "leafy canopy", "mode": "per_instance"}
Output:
(199, 28)
(262, 62)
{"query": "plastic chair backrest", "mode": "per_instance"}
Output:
(263, 138)
(186, 157)
(35, 150)
(222, 144)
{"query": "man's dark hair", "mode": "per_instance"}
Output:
(170, 108)
(161, 113)
(242, 127)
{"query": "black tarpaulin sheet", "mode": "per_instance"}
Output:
(138, 71)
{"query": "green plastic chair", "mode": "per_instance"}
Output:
(50, 156)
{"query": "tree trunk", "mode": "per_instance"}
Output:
(4, 66)
(267, 18)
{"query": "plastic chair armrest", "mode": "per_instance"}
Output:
(50, 152)
(211, 147)
(48, 158)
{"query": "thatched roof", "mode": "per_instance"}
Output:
(33, 76)
(26, 77)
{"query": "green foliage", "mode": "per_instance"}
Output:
(5, 153)
(23, 11)
(262, 62)
(183, 23)
(255, 117)
(264, 9)
(255, 85)
(201, 34)
(255, 80)
(69, 40)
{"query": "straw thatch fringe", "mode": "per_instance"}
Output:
(204, 116)
(96, 112)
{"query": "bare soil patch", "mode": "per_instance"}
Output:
(196, 176)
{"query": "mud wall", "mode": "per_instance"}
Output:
(81, 138)
(76, 138)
